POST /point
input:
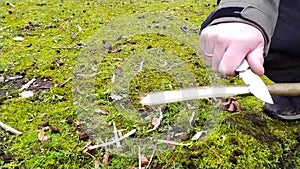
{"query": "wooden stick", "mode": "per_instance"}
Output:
(285, 89)
(112, 142)
(282, 89)
(10, 129)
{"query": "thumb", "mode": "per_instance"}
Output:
(256, 59)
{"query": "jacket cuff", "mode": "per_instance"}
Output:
(248, 14)
(234, 19)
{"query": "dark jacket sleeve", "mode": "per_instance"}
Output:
(259, 13)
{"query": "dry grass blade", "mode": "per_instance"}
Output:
(116, 135)
(26, 86)
(151, 158)
(172, 142)
(10, 129)
(140, 159)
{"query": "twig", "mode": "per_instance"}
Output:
(87, 75)
(26, 86)
(192, 119)
(151, 158)
(67, 48)
(213, 151)
(140, 159)
(172, 142)
(141, 66)
(198, 135)
(3, 28)
(10, 129)
(177, 64)
(170, 160)
(65, 82)
(114, 141)
(116, 135)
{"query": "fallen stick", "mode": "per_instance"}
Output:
(26, 86)
(112, 142)
(10, 129)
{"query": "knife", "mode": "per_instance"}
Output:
(254, 85)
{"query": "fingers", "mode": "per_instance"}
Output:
(256, 61)
(218, 54)
(224, 46)
(231, 59)
(206, 49)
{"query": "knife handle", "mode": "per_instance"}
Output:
(243, 66)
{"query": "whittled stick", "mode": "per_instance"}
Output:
(10, 129)
(285, 89)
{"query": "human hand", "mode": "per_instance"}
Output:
(225, 45)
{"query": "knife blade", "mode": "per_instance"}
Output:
(255, 84)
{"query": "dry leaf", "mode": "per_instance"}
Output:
(26, 94)
(144, 161)
(101, 111)
(198, 135)
(105, 158)
(115, 97)
(83, 136)
(42, 137)
(231, 105)
(155, 121)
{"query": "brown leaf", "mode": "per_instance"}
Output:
(102, 111)
(105, 158)
(155, 121)
(231, 105)
(85, 148)
(42, 137)
(83, 136)
(88, 151)
(144, 161)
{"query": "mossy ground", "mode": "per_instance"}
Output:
(248, 139)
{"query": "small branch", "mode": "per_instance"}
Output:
(140, 159)
(192, 119)
(67, 48)
(141, 66)
(151, 158)
(213, 151)
(26, 86)
(114, 141)
(65, 82)
(198, 135)
(172, 142)
(116, 135)
(10, 129)
(169, 161)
